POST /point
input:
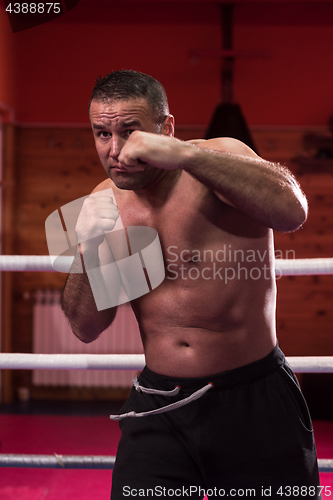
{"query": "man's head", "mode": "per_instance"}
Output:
(122, 103)
(126, 85)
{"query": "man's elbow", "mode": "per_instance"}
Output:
(89, 329)
(86, 336)
(300, 208)
(296, 213)
(302, 214)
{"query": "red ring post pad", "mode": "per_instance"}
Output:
(25, 15)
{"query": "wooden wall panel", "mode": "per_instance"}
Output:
(305, 315)
(57, 166)
(10, 157)
(304, 305)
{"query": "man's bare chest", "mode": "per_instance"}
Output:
(183, 221)
(192, 220)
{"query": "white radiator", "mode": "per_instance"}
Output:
(53, 335)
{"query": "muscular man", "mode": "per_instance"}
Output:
(209, 329)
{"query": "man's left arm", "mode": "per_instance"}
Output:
(265, 191)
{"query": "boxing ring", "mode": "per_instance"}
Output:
(20, 361)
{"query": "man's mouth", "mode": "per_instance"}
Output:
(130, 170)
(119, 169)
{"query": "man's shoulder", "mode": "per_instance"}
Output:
(106, 184)
(227, 145)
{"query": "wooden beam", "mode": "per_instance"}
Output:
(10, 151)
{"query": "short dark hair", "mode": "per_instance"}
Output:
(129, 84)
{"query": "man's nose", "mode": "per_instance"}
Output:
(117, 144)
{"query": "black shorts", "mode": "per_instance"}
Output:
(248, 436)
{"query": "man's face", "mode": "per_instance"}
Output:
(113, 122)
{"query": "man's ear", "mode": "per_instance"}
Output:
(168, 126)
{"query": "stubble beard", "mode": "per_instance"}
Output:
(135, 181)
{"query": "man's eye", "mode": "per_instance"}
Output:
(103, 135)
(129, 132)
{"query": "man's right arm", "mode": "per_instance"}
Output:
(98, 215)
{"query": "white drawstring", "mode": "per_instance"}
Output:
(146, 390)
(172, 406)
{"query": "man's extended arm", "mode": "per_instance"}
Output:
(78, 302)
(265, 191)
(98, 214)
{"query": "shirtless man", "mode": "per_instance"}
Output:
(249, 429)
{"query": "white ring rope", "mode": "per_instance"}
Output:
(306, 267)
(34, 263)
(311, 364)
(43, 263)
(23, 361)
(57, 461)
(87, 462)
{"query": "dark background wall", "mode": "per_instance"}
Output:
(55, 64)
